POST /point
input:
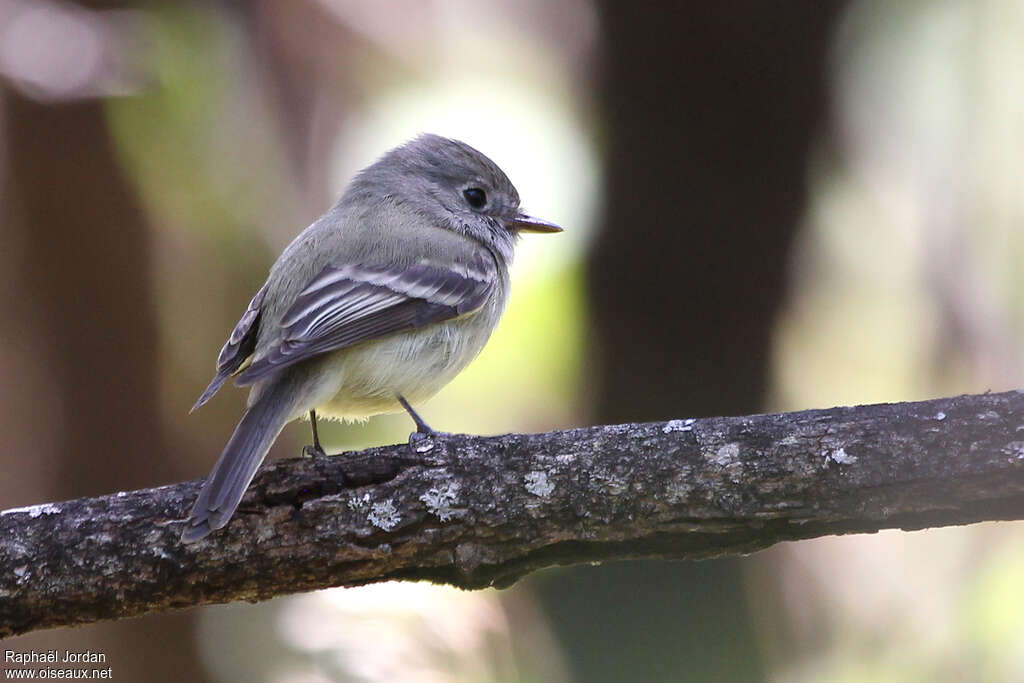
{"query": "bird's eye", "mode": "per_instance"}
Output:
(476, 197)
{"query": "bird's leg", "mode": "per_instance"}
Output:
(423, 430)
(421, 426)
(314, 451)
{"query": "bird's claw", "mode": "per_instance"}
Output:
(312, 451)
(423, 441)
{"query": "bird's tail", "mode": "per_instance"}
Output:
(237, 465)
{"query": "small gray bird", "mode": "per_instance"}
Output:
(374, 307)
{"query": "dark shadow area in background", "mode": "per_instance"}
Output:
(82, 298)
(711, 110)
(653, 621)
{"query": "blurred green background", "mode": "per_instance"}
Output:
(768, 206)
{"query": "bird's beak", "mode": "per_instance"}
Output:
(524, 223)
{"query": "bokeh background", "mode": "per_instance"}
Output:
(770, 205)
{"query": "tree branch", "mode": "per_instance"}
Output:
(485, 511)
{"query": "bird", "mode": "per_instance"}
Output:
(374, 307)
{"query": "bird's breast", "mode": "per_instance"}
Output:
(415, 364)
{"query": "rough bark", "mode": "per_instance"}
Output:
(485, 511)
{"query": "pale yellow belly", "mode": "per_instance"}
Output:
(366, 379)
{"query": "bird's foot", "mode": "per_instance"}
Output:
(422, 440)
(313, 451)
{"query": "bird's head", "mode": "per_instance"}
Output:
(461, 187)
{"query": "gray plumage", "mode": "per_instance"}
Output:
(387, 296)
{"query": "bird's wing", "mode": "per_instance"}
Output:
(238, 347)
(351, 303)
